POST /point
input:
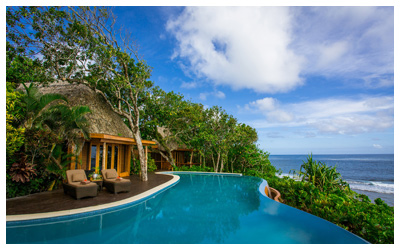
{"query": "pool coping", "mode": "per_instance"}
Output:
(199, 172)
(22, 217)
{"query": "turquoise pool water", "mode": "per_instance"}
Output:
(200, 208)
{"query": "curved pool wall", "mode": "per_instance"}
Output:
(200, 208)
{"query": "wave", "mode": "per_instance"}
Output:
(371, 186)
(292, 176)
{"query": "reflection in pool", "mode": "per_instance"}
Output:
(201, 208)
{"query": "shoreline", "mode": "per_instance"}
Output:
(388, 198)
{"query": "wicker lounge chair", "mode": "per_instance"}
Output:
(114, 185)
(75, 188)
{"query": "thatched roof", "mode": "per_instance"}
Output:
(102, 119)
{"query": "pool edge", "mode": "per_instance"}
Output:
(22, 217)
(198, 172)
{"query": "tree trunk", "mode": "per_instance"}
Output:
(191, 159)
(232, 161)
(142, 156)
(212, 157)
(219, 156)
(222, 164)
(168, 157)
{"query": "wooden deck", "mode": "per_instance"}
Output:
(57, 201)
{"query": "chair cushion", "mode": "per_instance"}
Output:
(78, 177)
(80, 185)
(112, 175)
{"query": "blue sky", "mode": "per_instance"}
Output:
(309, 79)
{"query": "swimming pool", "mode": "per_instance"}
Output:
(200, 208)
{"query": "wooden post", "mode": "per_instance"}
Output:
(128, 159)
(145, 153)
(105, 151)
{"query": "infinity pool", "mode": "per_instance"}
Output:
(200, 208)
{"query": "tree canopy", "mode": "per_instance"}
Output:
(84, 45)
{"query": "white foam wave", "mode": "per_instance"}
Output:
(372, 186)
(292, 176)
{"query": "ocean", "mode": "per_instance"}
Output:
(372, 175)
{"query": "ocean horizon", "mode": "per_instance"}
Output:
(369, 174)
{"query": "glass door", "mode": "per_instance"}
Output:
(96, 157)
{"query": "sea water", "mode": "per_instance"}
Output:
(372, 174)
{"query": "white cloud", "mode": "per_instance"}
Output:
(352, 42)
(189, 85)
(332, 53)
(335, 115)
(203, 96)
(266, 104)
(270, 107)
(243, 47)
(271, 49)
(218, 94)
(377, 146)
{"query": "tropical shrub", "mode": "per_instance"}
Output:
(135, 166)
(14, 114)
(319, 174)
(151, 165)
(22, 171)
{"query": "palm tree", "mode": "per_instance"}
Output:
(68, 124)
(49, 112)
(37, 103)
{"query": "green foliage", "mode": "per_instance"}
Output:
(14, 114)
(67, 122)
(39, 183)
(57, 162)
(319, 174)
(36, 104)
(251, 159)
(14, 189)
(195, 168)
(135, 166)
(36, 122)
(151, 165)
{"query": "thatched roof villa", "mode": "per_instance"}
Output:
(111, 141)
